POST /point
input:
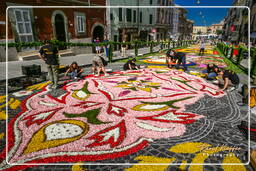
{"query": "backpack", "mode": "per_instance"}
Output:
(105, 63)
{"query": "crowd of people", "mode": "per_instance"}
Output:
(49, 53)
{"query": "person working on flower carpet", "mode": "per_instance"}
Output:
(178, 58)
(131, 65)
(49, 54)
(74, 71)
(230, 78)
(211, 71)
(98, 65)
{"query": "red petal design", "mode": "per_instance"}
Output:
(110, 134)
(184, 118)
(116, 110)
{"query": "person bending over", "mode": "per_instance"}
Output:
(74, 71)
(230, 78)
(131, 65)
(98, 66)
(179, 58)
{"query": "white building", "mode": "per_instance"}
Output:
(130, 23)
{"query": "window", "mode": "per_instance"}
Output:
(111, 17)
(128, 15)
(80, 23)
(120, 14)
(150, 19)
(23, 25)
(134, 16)
(150, 2)
(140, 17)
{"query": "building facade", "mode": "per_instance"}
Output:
(175, 23)
(131, 23)
(63, 24)
(253, 22)
(235, 27)
(164, 18)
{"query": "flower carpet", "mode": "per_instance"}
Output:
(153, 115)
(193, 60)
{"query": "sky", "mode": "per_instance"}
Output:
(206, 16)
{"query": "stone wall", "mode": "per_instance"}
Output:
(80, 49)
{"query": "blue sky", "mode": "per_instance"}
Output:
(206, 16)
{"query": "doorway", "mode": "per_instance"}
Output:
(60, 30)
(98, 31)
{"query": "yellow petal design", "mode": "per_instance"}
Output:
(183, 166)
(77, 167)
(151, 159)
(189, 147)
(2, 115)
(231, 158)
(41, 140)
(147, 89)
(15, 104)
(1, 136)
(153, 84)
(38, 86)
(2, 99)
(152, 66)
(150, 107)
(124, 86)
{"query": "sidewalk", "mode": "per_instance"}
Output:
(14, 67)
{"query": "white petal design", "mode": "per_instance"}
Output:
(42, 116)
(81, 94)
(112, 133)
(152, 107)
(169, 116)
(151, 127)
(62, 131)
(47, 104)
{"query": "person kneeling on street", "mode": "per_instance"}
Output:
(98, 65)
(131, 65)
(230, 79)
(74, 71)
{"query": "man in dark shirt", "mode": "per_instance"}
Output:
(229, 78)
(49, 54)
(179, 58)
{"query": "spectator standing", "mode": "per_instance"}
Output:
(49, 54)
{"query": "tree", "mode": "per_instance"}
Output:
(219, 32)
